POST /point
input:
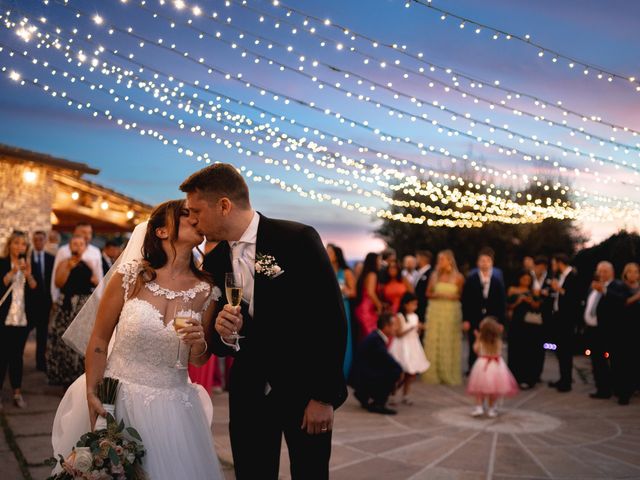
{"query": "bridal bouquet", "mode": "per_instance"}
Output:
(113, 452)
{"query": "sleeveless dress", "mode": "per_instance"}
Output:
(172, 415)
(367, 316)
(407, 350)
(443, 337)
(393, 291)
(64, 365)
(491, 376)
(348, 354)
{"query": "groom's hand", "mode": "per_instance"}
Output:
(229, 321)
(318, 418)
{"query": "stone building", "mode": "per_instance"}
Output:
(41, 192)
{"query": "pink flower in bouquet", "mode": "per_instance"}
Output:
(100, 475)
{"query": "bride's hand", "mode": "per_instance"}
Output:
(193, 334)
(95, 408)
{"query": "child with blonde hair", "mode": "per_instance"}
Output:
(490, 379)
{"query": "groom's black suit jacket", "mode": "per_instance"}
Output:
(296, 339)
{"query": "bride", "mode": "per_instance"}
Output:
(141, 299)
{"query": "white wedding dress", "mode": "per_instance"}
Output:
(172, 415)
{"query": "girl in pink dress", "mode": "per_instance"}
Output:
(490, 378)
(368, 305)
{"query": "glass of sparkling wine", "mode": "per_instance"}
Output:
(181, 319)
(233, 289)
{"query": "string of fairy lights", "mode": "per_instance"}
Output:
(483, 207)
(460, 199)
(496, 33)
(373, 85)
(307, 19)
(503, 149)
(492, 185)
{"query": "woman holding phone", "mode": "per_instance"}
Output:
(76, 281)
(15, 278)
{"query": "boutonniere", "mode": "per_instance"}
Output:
(266, 265)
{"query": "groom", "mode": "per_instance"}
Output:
(287, 375)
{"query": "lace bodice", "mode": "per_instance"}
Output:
(146, 345)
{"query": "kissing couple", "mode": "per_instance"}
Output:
(287, 337)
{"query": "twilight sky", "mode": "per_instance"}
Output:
(255, 44)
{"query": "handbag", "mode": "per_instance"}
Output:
(533, 318)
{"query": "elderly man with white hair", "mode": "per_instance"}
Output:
(603, 304)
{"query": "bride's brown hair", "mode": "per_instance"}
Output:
(165, 215)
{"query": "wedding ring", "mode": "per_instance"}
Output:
(324, 429)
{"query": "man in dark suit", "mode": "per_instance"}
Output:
(38, 300)
(287, 374)
(602, 309)
(423, 258)
(110, 253)
(375, 372)
(483, 295)
(565, 317)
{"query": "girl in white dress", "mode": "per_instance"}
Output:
(155, 396)
(406, 347)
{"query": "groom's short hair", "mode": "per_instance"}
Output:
(218, 181)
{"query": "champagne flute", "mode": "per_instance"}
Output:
(233, 289)
(181, 319)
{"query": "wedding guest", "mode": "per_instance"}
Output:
(565, 316)
(387, 257)
(483, 295)
(368, 304)
(625, 331)
(76, 280)
(375, 372)
(395, 287)
(347, 283)
(540, 273)
(528, 264)
(406, 348)
(357, 270)
(603, 306)
(17, 280)
(526, 351)
(443, 329)
(110, 254)
(53, 242)
(410, 269)
(39, 299)
(490, 378)
(91, 256)
(423, 257)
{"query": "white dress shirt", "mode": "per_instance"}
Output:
(486, 282)
(92, 256)
(243, 259)
(590, 310)
(420, 272)
(563, 277)
(538, 283)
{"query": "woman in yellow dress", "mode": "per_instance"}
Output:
(443, 337)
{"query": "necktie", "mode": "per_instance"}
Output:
(41, 261)
(240, 265)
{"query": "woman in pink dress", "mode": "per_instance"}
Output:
(395, 287)
(368, 305)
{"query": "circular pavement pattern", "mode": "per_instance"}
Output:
(509, 420)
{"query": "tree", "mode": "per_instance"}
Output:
(511, 242)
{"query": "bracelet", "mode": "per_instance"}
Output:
(206, 347)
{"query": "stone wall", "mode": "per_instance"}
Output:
(24, 205)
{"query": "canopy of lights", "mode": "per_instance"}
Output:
(332, 112)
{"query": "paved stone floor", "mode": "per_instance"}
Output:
(540, 434)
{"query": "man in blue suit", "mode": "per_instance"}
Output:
(375, 372)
